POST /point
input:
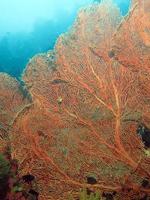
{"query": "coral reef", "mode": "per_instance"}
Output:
(88, 97)
(12, 101)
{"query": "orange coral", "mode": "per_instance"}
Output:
(86, 104)
(131, 47)
(11, 102)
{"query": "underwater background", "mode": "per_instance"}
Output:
(74, 100)
(31, 27)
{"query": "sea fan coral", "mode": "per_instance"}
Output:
(12, 101)
(86, 106)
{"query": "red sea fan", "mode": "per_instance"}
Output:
(12, 101)
(86, 105)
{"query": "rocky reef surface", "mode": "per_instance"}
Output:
(80, 106)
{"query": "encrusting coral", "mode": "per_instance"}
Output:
(88, 99)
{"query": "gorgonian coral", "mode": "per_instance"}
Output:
(86, 105)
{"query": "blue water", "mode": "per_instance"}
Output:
(123, 5)
(20, 40)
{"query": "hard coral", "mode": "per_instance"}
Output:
(93, 130)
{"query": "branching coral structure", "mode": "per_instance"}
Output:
(88, 97)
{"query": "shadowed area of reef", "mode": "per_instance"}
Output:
(82, 117)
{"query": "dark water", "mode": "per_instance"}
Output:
(17, 48)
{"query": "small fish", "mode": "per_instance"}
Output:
(59, 100)
(147, 153)
(58, 81)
